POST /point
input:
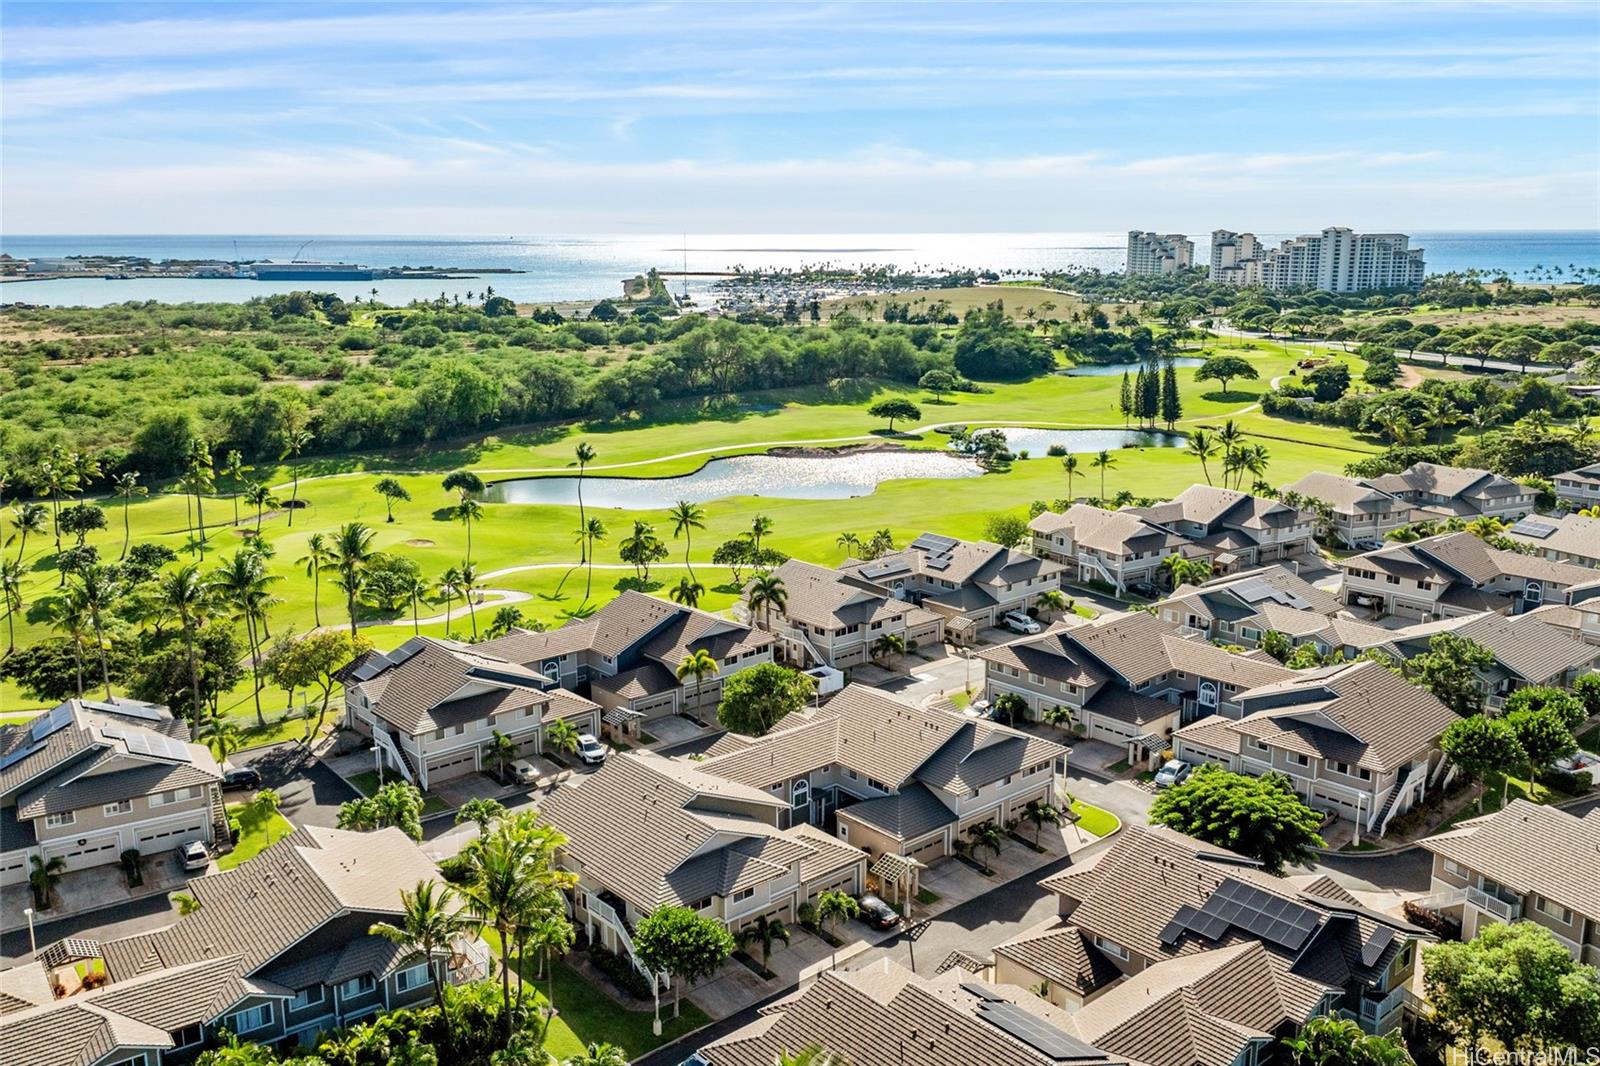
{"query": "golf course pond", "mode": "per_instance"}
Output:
(800, 477)
(1038, 442)
(1114, 370)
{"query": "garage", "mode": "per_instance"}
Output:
(84, 852)
(171, 836)
(453, 766)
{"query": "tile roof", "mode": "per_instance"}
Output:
(262, 907)
(1532, 848)
(909, 814)
(1348, 495)
(1362, 713)
(1534, 651)
(1115, 532)
(75, 1034)
(1458, 481)
(1571, 534)
(1202, 659)
(1129, 644)
(1123, 706)
(93, 790)
(885, 1014)
(1062, 954)
(819, 596)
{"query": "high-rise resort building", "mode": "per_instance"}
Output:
(1158, 253)
(1336, 260)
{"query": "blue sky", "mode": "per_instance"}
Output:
(797, 117)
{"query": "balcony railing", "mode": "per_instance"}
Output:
(1504, 910)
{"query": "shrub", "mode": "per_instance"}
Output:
(1056, 451)
(620, 970)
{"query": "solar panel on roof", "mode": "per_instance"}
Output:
(1259, 913)
(936, 562)
(1376, 944)
(376, 664)
(934, 542)
(1051, 1042)
(20, 754)
(983, 992)
(154, 745)
(406, 651)
(46, 724)
(141, 711)
(1532, 527)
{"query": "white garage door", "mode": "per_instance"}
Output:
(170, 836)
(93, 851)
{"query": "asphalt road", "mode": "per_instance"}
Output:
(125, 919)
(309, 792)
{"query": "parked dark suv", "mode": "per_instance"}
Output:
(244, 777)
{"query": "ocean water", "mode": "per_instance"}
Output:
(590, 267)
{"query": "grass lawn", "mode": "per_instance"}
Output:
(367, 783)
(1589, 740)
(586, 1015)
(256, 832)
(960, 698)
(927, 896)
(528, 550)
(1093, 820)
(1118, 767)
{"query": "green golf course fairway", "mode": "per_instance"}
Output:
(678, 439)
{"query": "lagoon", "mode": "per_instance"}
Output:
(1037, 442)
(1110, 370)
(828, 477)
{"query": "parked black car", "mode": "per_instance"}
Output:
(878, 914)
(244, 777)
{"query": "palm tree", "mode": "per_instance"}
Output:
(258, 495)
(686, 518)
(352, 551)
(765, 931)
(688, 592)
(592, 532)
(185, 594)
(1252, 461)
(1203, 447)
(1054, 601)
(600, 1055)
(848, 541)
(562, 736)
(449, 588)
(986, 835)
(242, 582)
(501, 749)
(468, 511)
(1041, 815)
(1103, 461)
(760, 526)
(98, 588)
(585, 453)
(127, 489)
(224, 737)
(234, 469)
(11, 596)
(482, 811)
(1069, 463)
(54, 478)
(698, 664)
(834, 906)
(391, 490)
(316, 559)
(43, 876)
(886, 647)
(641, 548)
(197, 482)
(467, 584)
(766, 594)
(28, 518)
(546, 929)
(415, 588)
(67, 613)
(428, 923)
(295, 441)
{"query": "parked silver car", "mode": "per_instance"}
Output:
(1175, 772)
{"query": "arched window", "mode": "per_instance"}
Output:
(801, 794)
(1533, 592)
(1208, 694)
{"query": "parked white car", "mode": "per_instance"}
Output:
(525, 772)
(1019, 622)
(590, 750)
(1175, 772)
(195, 856)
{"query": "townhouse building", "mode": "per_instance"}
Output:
(1361, 514)
(1129, 679)
(625, 656)
(833, 618)
(433, 706)
(90, 779)
(278, 951)
(891, 778)
(646, 831)
(1524, 862)
(1239, 608)
(1230, 530)
(1526, 651)
(1455, 574)
(971, 583)
(1458, 492)
(1355, 740)
(1156, 897)
(1567, 538)
(1580, 487)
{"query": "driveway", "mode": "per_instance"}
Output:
(309, 792)
(125, 919)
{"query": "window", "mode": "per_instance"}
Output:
(1533, 592)
(413, 977)
(1208, 694)
(248, 1021)
(1551, 909)
(1296, 759)
(176, 795)
(801, 793)
(1115, 950)
(61, 818)
(357, 986)
(308, 997)
(188, 1036)
(743, 894)
(1453, 868)
(119, 807)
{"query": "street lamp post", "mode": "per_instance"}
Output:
(33, 944)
